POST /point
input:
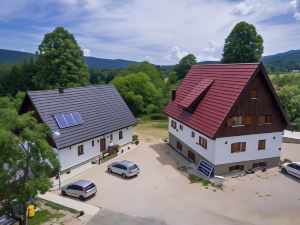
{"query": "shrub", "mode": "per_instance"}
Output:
(135, 137)
(158, 116)
(137, 142)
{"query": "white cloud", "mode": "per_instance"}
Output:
(175, 54)
(295, 5)
(245, 8)
(86, 52)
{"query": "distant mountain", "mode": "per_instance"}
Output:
(283, 62)
(99, 63)
(9, 56)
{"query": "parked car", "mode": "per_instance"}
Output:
(124, 168)
(291, 168)
(81, 189)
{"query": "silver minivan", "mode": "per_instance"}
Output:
(81, 189)
(124, 168)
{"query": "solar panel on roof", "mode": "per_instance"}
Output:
(204, 168)
(65, 120)
(70, 120)
(61, 121)
(77, 118)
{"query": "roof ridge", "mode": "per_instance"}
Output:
(227, 64)
(72, 88)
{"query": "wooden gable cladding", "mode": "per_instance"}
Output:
(248, 106)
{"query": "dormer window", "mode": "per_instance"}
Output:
(253, 94)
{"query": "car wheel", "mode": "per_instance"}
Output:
(124, 175)
(109, 170)
(81, 198)
(284, 170)
(64, 193)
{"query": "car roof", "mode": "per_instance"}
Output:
(298, 163)
(82, 183)
(126, 163)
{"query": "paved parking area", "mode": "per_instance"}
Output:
(162, 194)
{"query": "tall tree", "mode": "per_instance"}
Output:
(26, 160)
(185, 65)
(60, 62)
(138, 91)
(243, 45)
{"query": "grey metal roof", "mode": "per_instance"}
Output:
(101, 107)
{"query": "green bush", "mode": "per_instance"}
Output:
(135, 137)
(158, 116)
(137, 142)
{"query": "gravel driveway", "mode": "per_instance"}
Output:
(162, 194)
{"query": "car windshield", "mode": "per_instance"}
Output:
(90, 186)
(133, 167)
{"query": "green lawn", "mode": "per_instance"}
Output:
(60, 207)
(43, 216)
(159, 125)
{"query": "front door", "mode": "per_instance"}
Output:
(102, 144)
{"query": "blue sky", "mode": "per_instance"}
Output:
(160, 31)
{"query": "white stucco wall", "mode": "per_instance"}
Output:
(186, 137)
(68, 157)
(224, 155)
(218, 152)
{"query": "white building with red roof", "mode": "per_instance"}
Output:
(227, 115)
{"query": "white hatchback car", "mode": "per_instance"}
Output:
(291, 168)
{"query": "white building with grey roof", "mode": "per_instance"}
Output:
(83, 120)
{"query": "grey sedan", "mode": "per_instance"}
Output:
(124, 168)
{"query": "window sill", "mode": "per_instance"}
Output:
(238, 125)
(254, 98)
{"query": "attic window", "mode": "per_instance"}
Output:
(253, 94)
(265, 119)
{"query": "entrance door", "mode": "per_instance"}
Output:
(102, 144)
(191, 155)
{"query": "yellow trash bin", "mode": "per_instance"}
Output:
(31, 211)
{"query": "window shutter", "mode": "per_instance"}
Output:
(229, 122)
(247, 120)
(261, 119)
(243, 146)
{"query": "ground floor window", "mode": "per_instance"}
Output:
(191, 156)
(179, 146)
(259, 164)
(236, 167)
(80, 150)
(120, 135)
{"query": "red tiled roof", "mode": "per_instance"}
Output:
(229, 81)
(195, 93)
